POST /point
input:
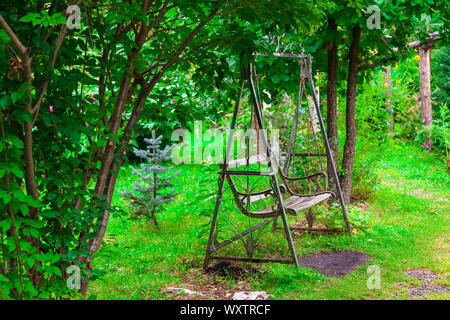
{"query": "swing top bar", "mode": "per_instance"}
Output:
(274, 45)
(283, 55)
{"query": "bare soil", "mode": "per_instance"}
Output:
(213, 283)
(334, 263)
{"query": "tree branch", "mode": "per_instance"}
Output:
(37, 106)
(23, 50)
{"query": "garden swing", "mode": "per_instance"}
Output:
(306, 165)
(248, 178)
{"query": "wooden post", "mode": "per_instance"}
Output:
(425, 93)
(425, 85)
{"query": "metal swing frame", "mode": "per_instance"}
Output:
(248, 75)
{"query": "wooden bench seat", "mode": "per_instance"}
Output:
(294, 204)
(257, 158)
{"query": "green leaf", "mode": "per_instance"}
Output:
(5, 100)
(19, 195)
(35, 224)
(34, 18)
(29, 286)
(55, 258)
(56, 271)
(6, 196)
(3, 278)
(25, 210)
(5, 224)
(35, 203)
(34, 232)
(17, 142)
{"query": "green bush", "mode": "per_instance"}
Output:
(441, 76)
(365, 176)
(360, 220)
(441, 132)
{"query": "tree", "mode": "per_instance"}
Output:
(147, 197)
(348, 26)
(425, 95)
(70, 104)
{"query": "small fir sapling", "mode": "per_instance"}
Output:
(149, 194)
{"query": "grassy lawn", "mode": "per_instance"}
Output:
(408, 229)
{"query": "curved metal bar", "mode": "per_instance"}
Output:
(305, 177)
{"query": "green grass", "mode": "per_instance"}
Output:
(408, 229)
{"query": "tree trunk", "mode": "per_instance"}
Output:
(332, 104)
(389, 106)
(425, 95)
(350, 122)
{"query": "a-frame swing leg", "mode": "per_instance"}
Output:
(212, 233)
(327, 147)
(273, 179)
(287, 230)
(273, 164)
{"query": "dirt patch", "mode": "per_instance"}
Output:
(214, 282)
(334, 263)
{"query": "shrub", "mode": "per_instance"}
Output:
(365, 177)
(441, 132)
(360, 221)
(148, 196)
(441, 76)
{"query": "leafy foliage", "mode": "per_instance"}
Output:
(73, 103)
(441, 76)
